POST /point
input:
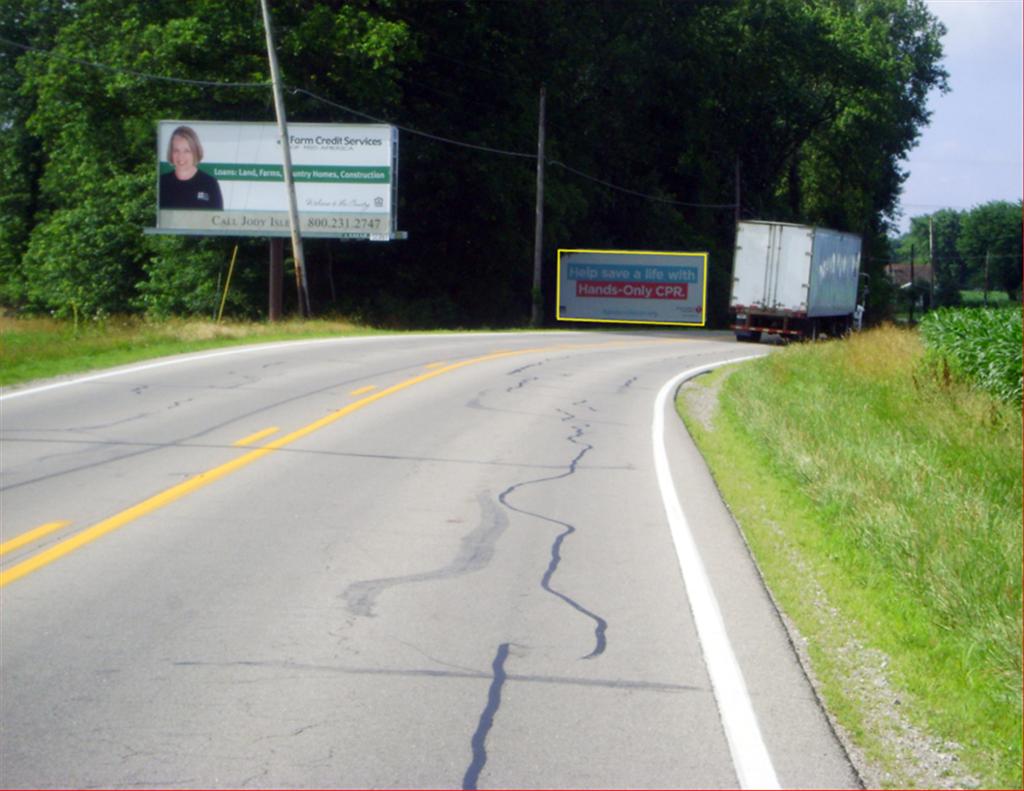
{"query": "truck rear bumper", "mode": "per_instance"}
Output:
(776, 324)
(750, 325)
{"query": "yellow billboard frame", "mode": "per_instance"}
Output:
(703, 296)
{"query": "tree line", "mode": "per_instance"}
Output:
(976, 249)
(660, 115)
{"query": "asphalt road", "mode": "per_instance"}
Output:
(441, 561)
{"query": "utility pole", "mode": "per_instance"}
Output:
(931, 259)
(282, 125)
(538, 228)
(987, 254)
(736, 211)
(913, 287)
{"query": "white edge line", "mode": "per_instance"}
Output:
(247, 349)
(750, 756)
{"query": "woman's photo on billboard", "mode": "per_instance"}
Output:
(188, 187)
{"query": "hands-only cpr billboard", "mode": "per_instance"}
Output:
(632, 287)
(217, 178)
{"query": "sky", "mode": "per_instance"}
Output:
(970, 153)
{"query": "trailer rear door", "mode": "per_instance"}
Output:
(772, 266)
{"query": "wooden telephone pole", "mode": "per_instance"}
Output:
(931, 261)
(538, 231)
(293, 211)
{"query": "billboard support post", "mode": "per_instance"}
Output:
(293, 211)
(276, 278)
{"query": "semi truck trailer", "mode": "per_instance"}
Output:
(794, 281)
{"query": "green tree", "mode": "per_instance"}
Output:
(33, 23)
(935, 238)
(990, 240)
(93, 127)
(887, 58)
(963, 243)
(815, 102)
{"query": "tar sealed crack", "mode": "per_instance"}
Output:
(479, 741)
(600, 624)
(475, 552)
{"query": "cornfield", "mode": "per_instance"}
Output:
(978, 345)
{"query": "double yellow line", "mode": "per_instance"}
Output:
(204, 479)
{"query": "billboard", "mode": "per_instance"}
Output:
(227, 178)
(632, 287)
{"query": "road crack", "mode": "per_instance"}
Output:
(475, 552)
(600, 624)
(479, 741)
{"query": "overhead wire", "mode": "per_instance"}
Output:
(410, 130)
(551, 162)
(358, 113)
(657, 198)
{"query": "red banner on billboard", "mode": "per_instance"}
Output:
(617, 290)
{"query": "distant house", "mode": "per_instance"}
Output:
(899, 274)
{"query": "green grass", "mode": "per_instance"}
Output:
(863, 481)
(995, 299)
(970, 299)
(41, 348)
(38, 348)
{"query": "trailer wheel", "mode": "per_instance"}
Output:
(751, 337)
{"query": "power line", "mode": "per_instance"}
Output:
(208, 83)
(522, 155)
(641, 194)
(406, 129)
(948, 260)
(412, 131)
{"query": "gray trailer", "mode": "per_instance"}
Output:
(793, 280)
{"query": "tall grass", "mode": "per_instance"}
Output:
(981, 346)
(917, 483)
(38, 348)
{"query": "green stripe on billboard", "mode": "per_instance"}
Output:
(321, 174)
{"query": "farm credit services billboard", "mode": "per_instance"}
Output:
(217, 178)
(632, 287)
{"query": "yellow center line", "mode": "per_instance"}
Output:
(30, 536)
(204, 479)
(361, 390)
(255, 437)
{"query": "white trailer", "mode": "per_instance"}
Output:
(793, 280)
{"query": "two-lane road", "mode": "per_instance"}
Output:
(433, 561)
